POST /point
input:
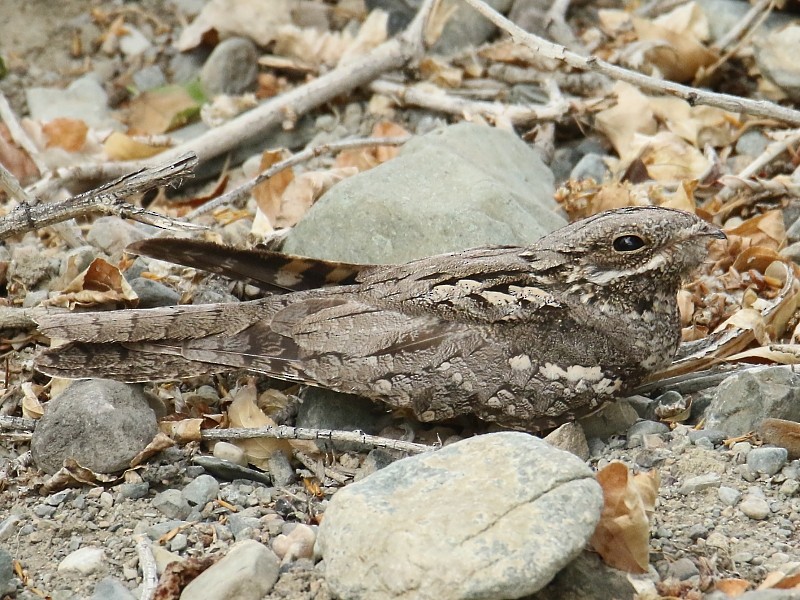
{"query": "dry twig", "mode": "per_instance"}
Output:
(692, 95)
(106, 199)
(237, 196)
(284, 432)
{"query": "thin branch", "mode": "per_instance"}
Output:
(237, 196)
(17, 423)
(147, 563)
(756, 15)
(284, 432)
(18, 133)
(106, 199)
(746, 28)
(692, 95)
(15, 318)
(770, 153)
(433, 98)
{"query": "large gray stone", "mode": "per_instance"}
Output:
(493, 516)
(745, 399)
(458, 187)
(101, 424)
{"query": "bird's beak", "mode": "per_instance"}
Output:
(711, 231)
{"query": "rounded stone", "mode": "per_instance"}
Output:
(493, 516)
(231, 68)
(98, 423)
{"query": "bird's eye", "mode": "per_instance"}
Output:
(628, 243)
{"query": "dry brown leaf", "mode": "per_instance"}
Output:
(220, 19)
(161, 110)
(780, 432)
(683, 198)
(668, 157)
(31, 406)
(779, 580)
(622, 535)
(371, 156)
(268, 194)
(15, 159)
(244, 412)
(331, 48)
(183, 431)
(69, 134)
(766, 229)
(160, 442)
(74, 475)
(119, 146)
(677, 51)
(732, 587)
(630, 116)
(440, 72)
(100, 283)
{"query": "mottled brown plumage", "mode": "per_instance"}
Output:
(525, 336)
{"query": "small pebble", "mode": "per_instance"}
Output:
(699, 483)
(755, 508)
(729, 496)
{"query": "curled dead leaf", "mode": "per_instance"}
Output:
(622, 535)
(100, 283)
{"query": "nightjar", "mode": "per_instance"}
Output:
(528, 337)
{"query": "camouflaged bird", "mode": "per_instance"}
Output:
(528, 337)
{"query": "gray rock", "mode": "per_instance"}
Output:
(112, 235)
(715, 436)
(752, 143)
(7, 585)
(231, 68)
(458, 187)
(247, 572)
(394, 534)
(83, 99)
(30, 267)
(324, 409)
(729, 495)
(743, 400)
(134, 490)
(280, 469)
(154, 293)
(613, 418)
(156, 531)
(149, 78)
(569, 437)
(579, 581)
(638, 430)
(243, 527)
(229, 471)
(792, 251)
(201, 490)
(683, 569)
(766, 460)
(171, 504)
(776, 58)
(111, 588)
(77, 259)
(101, 424)
(723, 15)
(84, 561)
(700, 483)
(591, 166)
(464, 28)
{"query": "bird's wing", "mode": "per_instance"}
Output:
(335, 341)
(273, 270)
